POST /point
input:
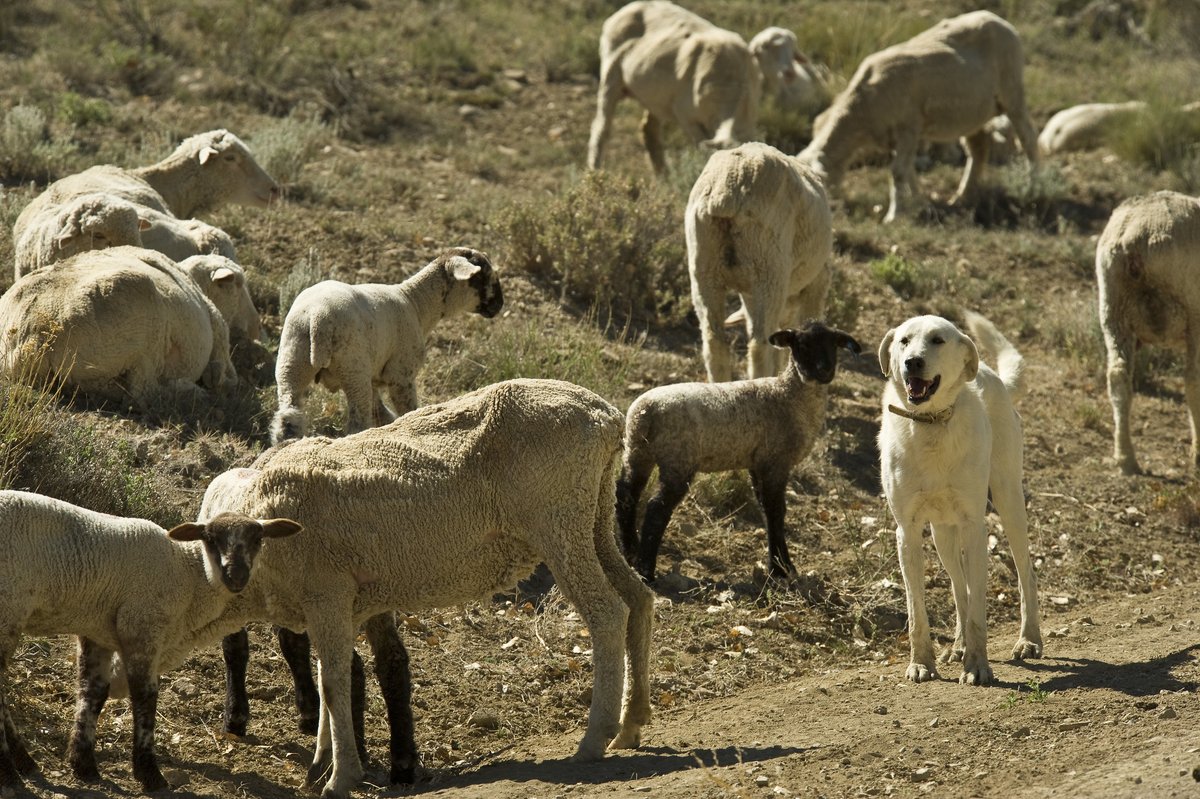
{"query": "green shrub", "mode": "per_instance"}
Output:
(1165, 138)
(286, 145)
(608, 242)
(28, 152)
(903, 276)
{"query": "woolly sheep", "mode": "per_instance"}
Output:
(1084, 127)
(118, 323)
(1147, 265)
(766, 425)
(180, 239)
(788, 76)
(446, 504)
(757, 222)
(121, 585)
(224, 282)
(942, 84)
(205, 172)
(86, 222)
(680, 67)
(370, 338)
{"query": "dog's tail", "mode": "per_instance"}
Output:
(1009, 363)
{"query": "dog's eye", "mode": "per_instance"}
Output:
(937, 340)
(904, 341)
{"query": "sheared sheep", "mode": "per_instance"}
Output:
(788, 76)
(766, 425)
(370, 338)
(757, 222)
(119, 323)
(680, 67)
(86, 222)
(446, 504)
(1147, 264)
(224, 282)
(1084, 127)
(940, 85)
(121, 585)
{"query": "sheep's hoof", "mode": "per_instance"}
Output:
(24, 762)
(630, 737)
(84, 768)
(308, 724)
(403, 773)
(152, 780)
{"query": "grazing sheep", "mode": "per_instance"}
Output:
(757, 222)
(446, 504)
(680, 67)
(86, 222)
(121, 585)
(1147, 263)
(370, 338)
(766, 425)
(224, 282)
(788, 76)
(180, 239)
(118, 323)
(940, 85)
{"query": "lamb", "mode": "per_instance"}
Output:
(121, 585)
(180, 239)
(224, 282)
(942, 84)
(205, 172)
(757, 222)
(90, 221)
(369, 338)
(446, 504)
(1146, 266)
(766, 425)
(788, 76)
(121, 323)
(680, 67)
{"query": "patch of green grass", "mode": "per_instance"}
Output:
(907, 278)
(1165, 138)
(1033, 694)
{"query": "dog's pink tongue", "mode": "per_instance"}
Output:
(917, 388)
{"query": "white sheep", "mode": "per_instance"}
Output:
(681, 68)
(86, 222)
(788, 76)
(1147, 265)
(1084, 127)
(121, 585)
(766, 425)
(369, 339)
(224, 282)
(119, 323)
(940, 85)
(180, 239)
(758, 223)
(447, 504)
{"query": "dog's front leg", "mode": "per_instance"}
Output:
(921, 667)
(963, 550)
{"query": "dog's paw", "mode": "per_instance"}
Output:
(953, 654)
(921, 672)
(1024, 648)
(978, 674)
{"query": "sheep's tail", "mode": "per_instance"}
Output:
(1010, 365)
(320, 341)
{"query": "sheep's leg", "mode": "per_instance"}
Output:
(611, 90)
(771, 492)
(963, 550)
(360, 405)
(93, 684)
(14, 758)
(652, 139)
(1191, 378)
(235, 649)
(903, 174)
(143, 698)
(764, 315)
(395, 683)
(403, 397)
(630, 486)
(910, 546)
(976, 146)
(671, 490)
(296, 649)
(1009, 500)
(1120, 352)
(332, 635)
(707, 240)
(294, 374)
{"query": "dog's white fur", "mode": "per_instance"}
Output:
(955, 436)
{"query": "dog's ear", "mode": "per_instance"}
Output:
(885, 353)
(970, 359)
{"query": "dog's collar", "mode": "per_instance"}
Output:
(937, 417)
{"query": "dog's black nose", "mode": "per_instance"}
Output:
(914, 364)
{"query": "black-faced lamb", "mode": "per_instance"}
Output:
(86, 222)
(766, 425)
(758, 223)
(447, 504)
(121, 585)
(943, 84)
(1147, 265)
(368, 340)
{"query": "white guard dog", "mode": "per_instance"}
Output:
(950, 433)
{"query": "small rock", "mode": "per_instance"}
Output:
(642, 789)
(1061, 632)
(1021, 732)
(484, 720)
(468, 111)
(921, 775)
(881, 710)
(1072, 725)
(1147, 619)
(935, 722)
(184, 688)
(1168, 713)
(762, 780)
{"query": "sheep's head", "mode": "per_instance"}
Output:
(778, 53)
(95, 222)
(473, 269)
(231, 543)
(224, 281)
(814, 349)
(230, 171)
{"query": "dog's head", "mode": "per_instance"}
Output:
(929, 360)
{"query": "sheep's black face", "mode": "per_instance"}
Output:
(485, 282)
(814, 349)
(232, 542)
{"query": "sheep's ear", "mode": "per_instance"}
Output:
(970, 359)
(846, 340)
(462, 269)
(278, 528)
(223, 273)
(143, 224)
(207, 153)
(782, 338)
(885, 352)
(188, 531)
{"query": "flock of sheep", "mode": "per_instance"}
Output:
(120, 293)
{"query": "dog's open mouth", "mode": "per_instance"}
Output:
(921, 390)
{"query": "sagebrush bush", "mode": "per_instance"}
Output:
(28, 151)
(609, 242)
(903, 276)
(286, 145)
(1165, 138)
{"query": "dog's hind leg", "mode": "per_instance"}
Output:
(1009, 501)
(963, 550)
(909, 544)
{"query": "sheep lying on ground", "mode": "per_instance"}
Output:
(766, 425)
(757, 222)
(370, 338)
(1084, 127)
(1147, 264)
(86, 222)
(446, 504)
(940, 85)
(788, 76)
(120, 323)
(680, 67)
(121, 585)
(180, 239)
(224, 282)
